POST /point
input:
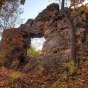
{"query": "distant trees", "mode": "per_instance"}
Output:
(10, 15)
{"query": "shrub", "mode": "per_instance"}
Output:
(31, 52)
(14, 78)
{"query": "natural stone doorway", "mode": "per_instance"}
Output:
(37, 43)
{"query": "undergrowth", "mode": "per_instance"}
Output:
(67, 76)
(31, 52)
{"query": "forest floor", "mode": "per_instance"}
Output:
(71, 77)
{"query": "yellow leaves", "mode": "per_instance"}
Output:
(71, 66)
(84, 16)
(15, 75)
(75, 11)
(41, 70)
(10, 78)
(83, 9)
(31, 52)
(76, 2)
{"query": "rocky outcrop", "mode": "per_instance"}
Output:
(53, 26)
(27, 25)
(43, 17)
(50, 24)
(14, 47)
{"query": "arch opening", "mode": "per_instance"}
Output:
(37, 43)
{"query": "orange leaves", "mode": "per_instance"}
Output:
(83, 9)
(76, 2)
(54, 79)
(84, 16)
(75, 11)
(72, 2)
(41, 70)
(35, 78)
(7, 78)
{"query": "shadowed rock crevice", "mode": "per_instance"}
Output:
(39, 35)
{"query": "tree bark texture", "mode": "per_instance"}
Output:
(72, 33)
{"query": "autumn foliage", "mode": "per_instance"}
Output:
(67, 76)
(33, 53)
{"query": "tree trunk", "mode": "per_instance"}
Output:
(72, 33)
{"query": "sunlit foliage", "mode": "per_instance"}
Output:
(76, 2)
(82, 9)
(31, 52)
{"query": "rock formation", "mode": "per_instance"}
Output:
(50, 24)
(14, 46)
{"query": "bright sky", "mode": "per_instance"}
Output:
(33, 7)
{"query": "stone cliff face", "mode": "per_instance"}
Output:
(14, 46)
(52, 25)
